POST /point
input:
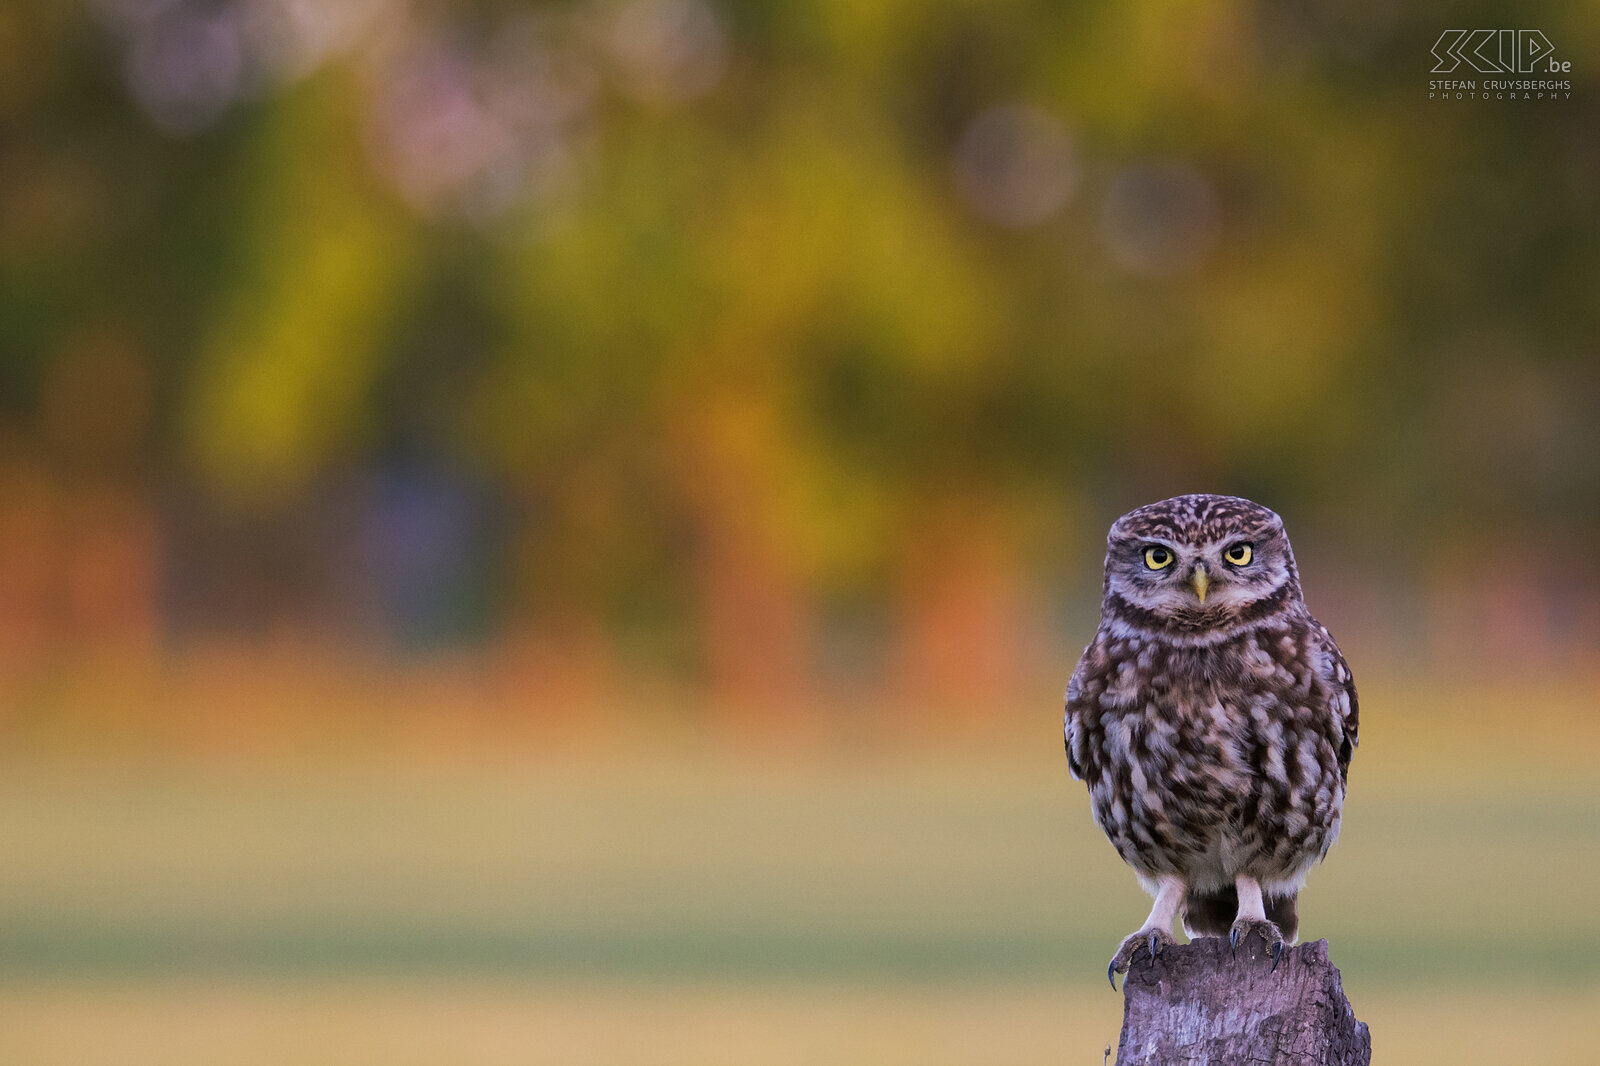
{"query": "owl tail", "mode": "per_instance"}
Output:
(1212, 913)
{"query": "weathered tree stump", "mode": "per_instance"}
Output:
(1198, 1004)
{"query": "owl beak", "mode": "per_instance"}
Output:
(1201, 581)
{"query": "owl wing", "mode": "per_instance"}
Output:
(1343, 686)
(1071, 729)
(1082, 690)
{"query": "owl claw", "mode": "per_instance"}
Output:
(1265, 929)
(1152, 940)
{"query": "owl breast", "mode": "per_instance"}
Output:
(1210, 762)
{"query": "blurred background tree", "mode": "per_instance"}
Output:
(781, 350)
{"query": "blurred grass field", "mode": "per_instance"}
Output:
(695, 905)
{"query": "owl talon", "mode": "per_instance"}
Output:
(1270, 934)
(1152, 940)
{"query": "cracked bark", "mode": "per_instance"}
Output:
(1197, 1004)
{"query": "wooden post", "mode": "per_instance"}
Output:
(1199, 1005)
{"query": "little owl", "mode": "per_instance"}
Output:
(1213, 720)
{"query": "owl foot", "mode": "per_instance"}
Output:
(1265, 929)
(1152, 940)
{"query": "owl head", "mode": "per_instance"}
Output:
(1198, 563)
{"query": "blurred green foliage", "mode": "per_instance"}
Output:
(753, 296)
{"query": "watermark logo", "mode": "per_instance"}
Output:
(1520, 64)
(1497, 52)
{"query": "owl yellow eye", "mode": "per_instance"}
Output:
(1238, 554)
(1157, 558)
